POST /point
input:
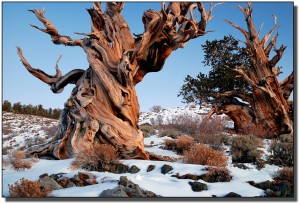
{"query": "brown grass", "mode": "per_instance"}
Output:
(286, 173)
(29, 189)
(217, 175)
(204, 155)
(90, 159)
(17, 159)
(179, 145)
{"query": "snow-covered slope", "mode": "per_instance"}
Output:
(167, 114)
(22, 127)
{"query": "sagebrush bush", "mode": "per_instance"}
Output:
(204, 155)
(244, 149)
(17, 159)
(179, 145)
(217, 175)
(28, 189)
(148, 130)
(169, 132)
(90, 159)
(184, 143)
(282, 153)
(285, 173)
(170, 144)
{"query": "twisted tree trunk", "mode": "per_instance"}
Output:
(103, 106)
(268, 101)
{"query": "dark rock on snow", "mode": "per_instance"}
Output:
(127, 188)
(133, 169)
(166, 169)
(232, 195)
(198, 186)
(150, 168)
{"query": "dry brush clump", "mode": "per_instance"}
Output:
(221, 174)
(97, 157)
(282, 151)
(17, 160)
(204, 155)
(285, 173)
(244, 149)
(148, 130)
(181, 144)
(28, 189)
(210, 132)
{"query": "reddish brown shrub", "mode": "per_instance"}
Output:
(286, 173)
(90, 158)
(184, 143)
(170, 144)
(204, 155)
(29, 189)
(16, 158)
(217, 175)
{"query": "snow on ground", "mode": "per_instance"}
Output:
(155, 181)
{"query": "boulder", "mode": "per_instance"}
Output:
(127, 188)
(86, 175)
(264, 185)
(133, 169)
(47, 181)
(232, 195)
(166, 169)
(65, 182)
(198, 186)
(150, 168)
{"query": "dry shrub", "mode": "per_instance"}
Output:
(286, 173)
(217, 175)
(148, 130)
(185, 123)
(156, 109)
(170, 144)
(17, 159)
(210, 132)
(6, 150)
(244, 149)
(29, 189)
(184, 143)
(173, 133)
(204, 155)
(179, 145)
(6, 130)
(90, 159)
(282, 152)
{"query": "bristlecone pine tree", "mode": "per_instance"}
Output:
(103, 106)
(269, 105)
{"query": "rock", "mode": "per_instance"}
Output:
(241, 166)
(56, 176)
(284, 188)
(88, 182)
(264, 185)
(116, 192)
(198, 186)
(269, 192)
(47, 181)
(166, 169)
(133, 169)
(86, 175)
(65, 182)
(118, 168)
(43, 175)
(188, 176)
(232, 195)
(127, 188)
(150, 168)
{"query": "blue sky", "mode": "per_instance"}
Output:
(157, 88)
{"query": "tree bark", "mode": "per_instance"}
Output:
(270, 98)
(103, 106)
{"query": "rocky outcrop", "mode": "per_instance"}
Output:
(127, 188)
